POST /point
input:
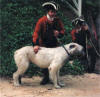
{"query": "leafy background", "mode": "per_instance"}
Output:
(18, 19)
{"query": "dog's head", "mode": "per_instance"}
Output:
(75, 49)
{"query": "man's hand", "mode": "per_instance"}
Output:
(36, 48)
(56, 33)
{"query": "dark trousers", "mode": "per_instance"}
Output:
(45, 76)
(89, 61)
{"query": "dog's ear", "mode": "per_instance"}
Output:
(72, 46)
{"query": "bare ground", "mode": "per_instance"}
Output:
(87, 85)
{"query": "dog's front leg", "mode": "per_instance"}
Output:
(59, 82)
(53, 76)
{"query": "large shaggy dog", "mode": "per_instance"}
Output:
(51, 58)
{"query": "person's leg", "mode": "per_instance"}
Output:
(45, 72)
(45, 79)
(92, 62)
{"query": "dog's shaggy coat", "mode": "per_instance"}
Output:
(51, 58)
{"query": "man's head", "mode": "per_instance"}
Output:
(78, 22)
(51, 13)
(51, 8)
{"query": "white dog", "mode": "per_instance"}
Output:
(51, 58)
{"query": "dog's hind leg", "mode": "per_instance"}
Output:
(20, 71)
(53, 75)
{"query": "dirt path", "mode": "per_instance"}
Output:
(87, 85)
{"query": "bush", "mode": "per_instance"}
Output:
(76, 68)
(18, 21)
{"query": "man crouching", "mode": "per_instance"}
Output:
(47, 29)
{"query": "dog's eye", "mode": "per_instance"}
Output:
(72, 46)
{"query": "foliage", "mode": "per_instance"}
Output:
(76, 68)
(18, 21)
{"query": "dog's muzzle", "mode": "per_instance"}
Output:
(83, 52)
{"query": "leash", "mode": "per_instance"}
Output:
(98, 54)
(93, 30)
(94, 48)
(63, 46)
(87, 50)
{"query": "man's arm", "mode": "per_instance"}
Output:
(36, 33)
(86, 28)
(35, 36)
(73, 35)
(61, 29)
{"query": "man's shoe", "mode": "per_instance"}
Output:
(44, 81)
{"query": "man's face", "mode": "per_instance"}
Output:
(78, 27)
(52, 13)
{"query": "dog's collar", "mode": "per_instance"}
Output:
(66, 50)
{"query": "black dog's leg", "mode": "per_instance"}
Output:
(45, 80)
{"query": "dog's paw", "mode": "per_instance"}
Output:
(57, 87)
(17, 84)
(62, 84)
